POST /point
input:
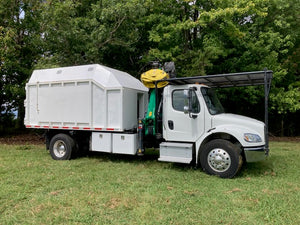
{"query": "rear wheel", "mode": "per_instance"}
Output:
(221, 157)
(62, 146)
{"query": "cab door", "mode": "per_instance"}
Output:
(178, 124)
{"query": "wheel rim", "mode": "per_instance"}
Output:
(59, 149)
(219, 160)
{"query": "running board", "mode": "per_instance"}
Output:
(176, 152)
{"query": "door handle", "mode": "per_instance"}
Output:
(171, 124)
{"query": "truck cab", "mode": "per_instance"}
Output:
(194, 115)
(195, 129)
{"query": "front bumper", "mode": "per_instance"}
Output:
(255, 154)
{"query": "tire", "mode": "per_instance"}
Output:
(62, 146)
(221, 157)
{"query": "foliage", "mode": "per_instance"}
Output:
(114, 189)
(19, 41)
(202, 37)
(105, 32)
(229, 36)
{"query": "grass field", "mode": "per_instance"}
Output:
(114, 189)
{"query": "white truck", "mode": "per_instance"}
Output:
(96, 108)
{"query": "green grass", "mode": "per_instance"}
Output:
(114, 189)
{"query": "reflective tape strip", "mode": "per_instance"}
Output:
(72, 128)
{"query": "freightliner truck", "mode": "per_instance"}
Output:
(97, 108)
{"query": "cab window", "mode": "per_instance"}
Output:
(180, 100)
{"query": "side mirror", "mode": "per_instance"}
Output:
(190, 96)
(188, 109)
(188, 105)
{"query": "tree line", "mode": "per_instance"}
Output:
(200, 36)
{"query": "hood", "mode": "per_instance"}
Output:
(248, 125)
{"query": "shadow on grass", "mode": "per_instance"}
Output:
(256, 169)
(150, 156)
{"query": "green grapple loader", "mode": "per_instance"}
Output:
(149, 125)
(149, 120)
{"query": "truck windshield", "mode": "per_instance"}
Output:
(213, 104)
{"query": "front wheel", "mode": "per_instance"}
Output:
(221, 157)
(61, 147)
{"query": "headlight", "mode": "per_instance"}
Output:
(252, 137)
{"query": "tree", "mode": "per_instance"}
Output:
(81, 32)
(202, 37)
(211, 37)
(19, 38)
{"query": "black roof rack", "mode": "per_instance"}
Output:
(226, 80)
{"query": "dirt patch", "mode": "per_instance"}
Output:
(23, 139)
(113, 203)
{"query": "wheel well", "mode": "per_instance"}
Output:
(223, 136)
(82, 137)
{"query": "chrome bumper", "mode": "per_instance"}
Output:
(255, 154)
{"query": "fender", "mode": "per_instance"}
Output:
(235, 131)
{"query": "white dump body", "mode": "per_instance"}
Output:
(90, 97)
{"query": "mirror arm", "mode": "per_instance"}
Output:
(192, 116)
